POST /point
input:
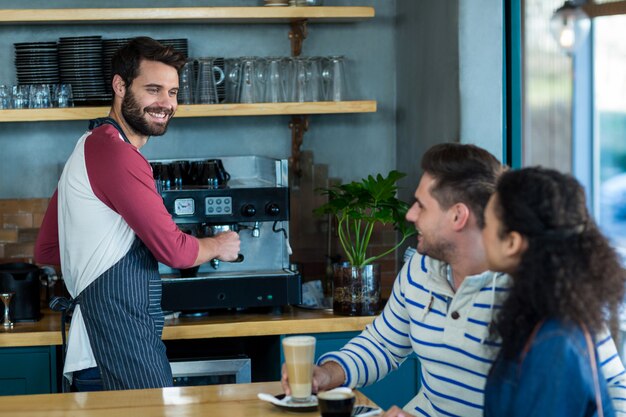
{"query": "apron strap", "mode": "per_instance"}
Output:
(66, 307)
(94, 123)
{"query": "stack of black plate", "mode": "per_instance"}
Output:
(109, 48)
(36, 63)
(80, 64)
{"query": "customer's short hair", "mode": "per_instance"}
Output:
(463, 173)
(127, 59)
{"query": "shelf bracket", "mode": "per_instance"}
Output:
(298, 125)
(297, 34)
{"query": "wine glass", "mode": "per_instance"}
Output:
(6, 299)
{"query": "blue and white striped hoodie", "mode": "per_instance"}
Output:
(449, 333)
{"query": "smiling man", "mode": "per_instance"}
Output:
(107, 227)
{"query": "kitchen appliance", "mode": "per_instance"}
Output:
(233, 370)
(24, 280)
(246, 194)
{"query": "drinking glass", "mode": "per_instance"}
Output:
(186, 81)
(20, 96)
(299, 355)
(335, 78)
(232, 67)
(63, 96)
(39, 96)
(314, 84)
(299, 79)
(275, 80)
(252, 77)
(5, 97)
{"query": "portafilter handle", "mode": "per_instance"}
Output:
(215, 263)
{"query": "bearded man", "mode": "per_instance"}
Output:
(107, 227)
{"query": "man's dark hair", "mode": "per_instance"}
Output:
(127, 59)
(463, 173)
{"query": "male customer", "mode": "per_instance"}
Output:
(107, 227)
(444, 299)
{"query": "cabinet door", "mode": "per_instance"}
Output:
(28, 370)
(397, 388)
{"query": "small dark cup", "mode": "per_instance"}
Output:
(335, 404)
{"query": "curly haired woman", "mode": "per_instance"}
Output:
(567, 284)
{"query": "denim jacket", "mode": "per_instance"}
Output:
(554, 379)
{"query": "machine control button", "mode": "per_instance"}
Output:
(248, 210)
(272, 209)
(218, 205)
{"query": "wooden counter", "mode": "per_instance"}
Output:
(214, 400)
(293, 320)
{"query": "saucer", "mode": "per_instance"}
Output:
(297, 407)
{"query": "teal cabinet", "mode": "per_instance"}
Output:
(28, 370)
(397, 388)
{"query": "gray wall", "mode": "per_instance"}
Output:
(435, 68)
(449, 79)
(481, 60)
(427, 83)
(352, 145)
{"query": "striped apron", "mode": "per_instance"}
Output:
(124, 321)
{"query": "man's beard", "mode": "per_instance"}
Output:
(440, 249)
(134, 116)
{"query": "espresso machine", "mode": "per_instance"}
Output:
(245, 194)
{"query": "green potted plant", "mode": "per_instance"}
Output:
(358, 208)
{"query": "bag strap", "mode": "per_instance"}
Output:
(594, 369)
(592, 359)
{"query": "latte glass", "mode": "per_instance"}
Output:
(299, 355)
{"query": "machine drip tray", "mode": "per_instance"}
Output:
(199, 294)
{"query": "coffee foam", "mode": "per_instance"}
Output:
(329, 395)
(298, 340)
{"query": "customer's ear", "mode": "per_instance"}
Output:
(460, 215)
(515, 244)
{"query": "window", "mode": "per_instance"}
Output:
(547, 91)
(609, 68)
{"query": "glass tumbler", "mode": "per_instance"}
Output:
(39, 96)
(335, 78)
(20, 96)
(252, 77)
(5, 97)
(275, 74)
(63, 96)
(187, 81)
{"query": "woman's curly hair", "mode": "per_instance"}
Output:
(569, 270)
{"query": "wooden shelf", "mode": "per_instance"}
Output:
(197, 110)
(183, 14)
(47, 331)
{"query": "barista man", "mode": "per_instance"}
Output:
(107, 227)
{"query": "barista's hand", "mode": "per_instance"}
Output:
(396, 411)
(325, 377)
(228, 246)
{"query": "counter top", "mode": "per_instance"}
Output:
(214, 400)
(293, 320)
